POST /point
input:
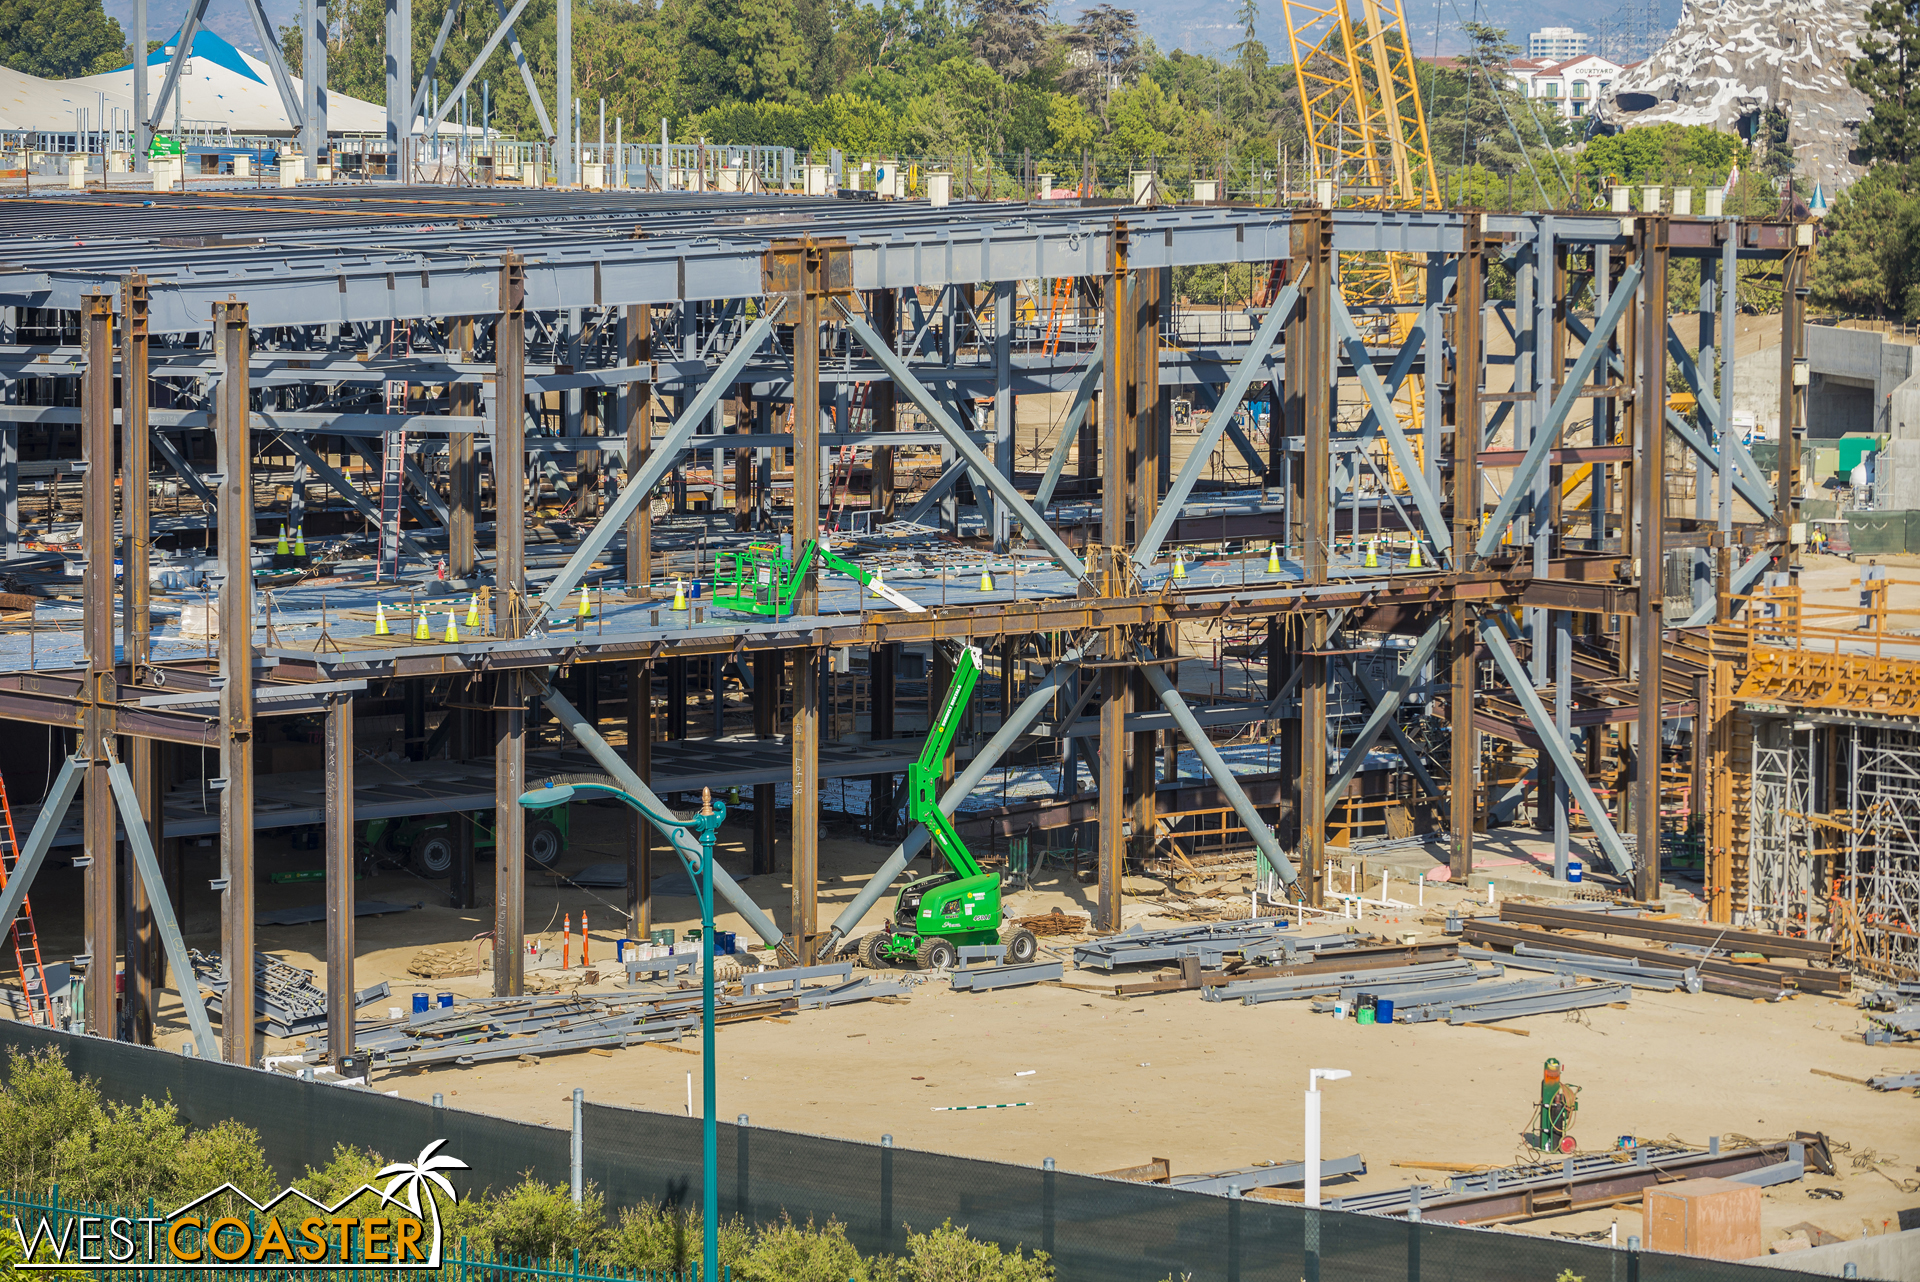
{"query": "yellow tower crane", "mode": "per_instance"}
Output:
(1367, 128)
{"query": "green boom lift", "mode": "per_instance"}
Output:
(935, 915)
(763, 579)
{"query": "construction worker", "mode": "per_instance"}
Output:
(1873, 596)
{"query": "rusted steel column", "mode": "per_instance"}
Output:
(1650, 475)
(233, 341)
(101, 879)
(509, 613)
(339, 839)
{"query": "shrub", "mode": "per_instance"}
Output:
(541, 1221)
(657, 1236)
(948, 1255)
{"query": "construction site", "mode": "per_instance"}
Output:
(1101, 707)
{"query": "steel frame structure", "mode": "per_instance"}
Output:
(566, 326)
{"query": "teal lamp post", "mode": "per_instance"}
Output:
(705, 826)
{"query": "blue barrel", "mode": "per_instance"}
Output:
(421, 1003)
(1383, 1010)
(446, 1000)
(723, 942)
(1573, 870)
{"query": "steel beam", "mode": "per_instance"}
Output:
(510, 621)
(147, 866)
(684, 844)
(1546, 435)
(977, 461)
(1380, 401)
(1563, 758)
(1650, 479)
(1251, 366)
(1222, 774)
(1381, 717)
(640, 486)
(344, 487)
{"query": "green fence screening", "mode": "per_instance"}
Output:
(1096, 1230)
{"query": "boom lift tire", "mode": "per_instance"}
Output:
(936, 954)
(1022, 945)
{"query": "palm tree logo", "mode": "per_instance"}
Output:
(410, 1177)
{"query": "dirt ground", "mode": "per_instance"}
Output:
(1210, 1086)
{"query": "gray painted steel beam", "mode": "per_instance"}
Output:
(1546, 435)
(53, 812)
(684, 843)
(640, 486)
(1381, 403)
(1217, 767)
(345, 488)
(161, 907)
(1202, 453)
(981, 466)
(1385, 705)
(1563, 759)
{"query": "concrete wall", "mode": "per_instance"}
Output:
(1854, 372)
(1897, 474)
(1888, 1257)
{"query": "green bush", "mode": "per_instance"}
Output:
(55, 1129)
(787, 1252)
(656, 1236)
(540, 1221)
(948, 1255)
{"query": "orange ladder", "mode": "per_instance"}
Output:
(26, 944)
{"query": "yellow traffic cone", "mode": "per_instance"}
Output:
(1273, 558)
(1373, 557)
(586, 606)
(874, 582)
(453, 633)
(986, 579)
(299, 542)
(679, 594)
(1413, 561)
(281, 546)
(473, 611)
(421, 630)
(1179, 567)
(380, 628)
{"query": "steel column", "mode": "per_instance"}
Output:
(509, 620)
(1650, 478)
(101, 879)
(340, 897)
(463, 463)
(239, 1041)
(636, 408)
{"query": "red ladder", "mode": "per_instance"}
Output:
(26, 944)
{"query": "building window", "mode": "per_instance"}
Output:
(1579, 108)
(1550, 90)
(1579, 88)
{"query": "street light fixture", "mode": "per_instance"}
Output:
(1314, 1077)
(706, 826)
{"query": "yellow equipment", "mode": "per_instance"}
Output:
(1366, 125)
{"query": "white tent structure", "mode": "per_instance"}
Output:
(222, 89)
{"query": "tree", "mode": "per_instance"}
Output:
(1866, 244)
(59, 39)
(1105, 53)
(1250, 54)
(1889, 60)
(1011, 35)
(740, 50)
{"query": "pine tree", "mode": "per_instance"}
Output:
(1889, 60)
